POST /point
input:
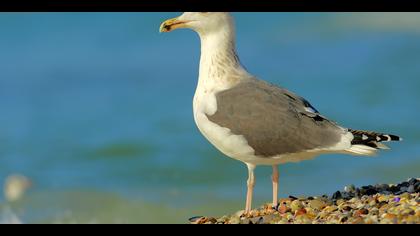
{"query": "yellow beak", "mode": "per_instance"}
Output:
(171, 24)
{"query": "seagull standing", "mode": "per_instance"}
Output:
(253, 121)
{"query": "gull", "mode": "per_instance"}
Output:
(256, 122)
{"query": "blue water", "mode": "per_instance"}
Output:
(97, 110)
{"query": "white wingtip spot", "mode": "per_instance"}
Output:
(364, 137)
(308, 109)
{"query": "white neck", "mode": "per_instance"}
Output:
(220, 67)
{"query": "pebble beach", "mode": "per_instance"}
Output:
(372, 204)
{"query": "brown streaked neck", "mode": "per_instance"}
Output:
(219, 60)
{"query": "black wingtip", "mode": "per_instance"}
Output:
(369, 137)
(395, 137)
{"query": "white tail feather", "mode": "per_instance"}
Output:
(382, 146)
(362, 150)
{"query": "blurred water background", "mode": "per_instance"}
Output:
(96, 110)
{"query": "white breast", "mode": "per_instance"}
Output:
(234, 146)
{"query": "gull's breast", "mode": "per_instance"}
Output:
(232, 145)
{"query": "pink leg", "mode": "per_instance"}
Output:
(250, 184)
(275, 179)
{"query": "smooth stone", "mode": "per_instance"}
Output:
(417, 187)
(245, 221)
(336, 195)
(357, 220)
(195, 219)
(300, 212)
(403, 189)
(374, 211)
(372, 203)
(293, 197)
(347, 195)
(253, 220)
(383, 198)
(389, 216)
(371, 219)
(346, 208)
(212, 220)
(303, 219)
(223, 219)
(234, 220)
(405, 195)
(394, 189)
(408, 212)
(329, 209)
(403, 184)
(371, 191)
(239, 213)
(411, 189)
(268, 219)
(296, 205)
(339, 202)
(283, 209)
(412, 220)
(343, 219)
(317, 204)
(350, 188)
(412, 181)
(357, 192)
(382, 187)
(364, 211)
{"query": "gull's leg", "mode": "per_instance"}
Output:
(250, 185)
(275, 179)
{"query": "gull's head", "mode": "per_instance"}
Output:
(201, 22)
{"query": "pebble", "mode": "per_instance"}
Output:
(196, 219)
(405, 195)
(361, 212)
(417, 187)
(296, 205)
(339, 201)
(350, 188)
(356, 220)
(293, 197)
(413, 181)
(303, 219)
(411, 189)
(283, 209)
(269, 219)
(383, 198)
(300, 212)
(381, 203)
(234, 220)
(382, 187)
(330, 208)
(336, 195)
(317, 204)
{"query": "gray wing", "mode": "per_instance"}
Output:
(273, 120)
